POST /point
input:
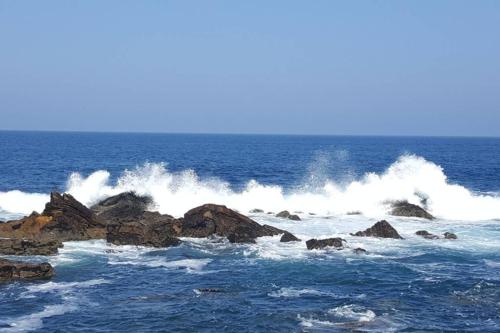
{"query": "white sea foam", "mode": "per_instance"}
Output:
(353, 312)
(410, 178)
(61, 287)
(294, 293)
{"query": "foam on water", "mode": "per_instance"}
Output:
(294, 293)
(353, 312)
(410, 178)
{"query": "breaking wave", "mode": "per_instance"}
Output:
(410, 178)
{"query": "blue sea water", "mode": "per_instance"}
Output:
(410, 285)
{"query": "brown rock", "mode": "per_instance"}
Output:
(12, 270)
(288, 237)
(22, 247)
(380, 229)
(314, 244)
(404, 208)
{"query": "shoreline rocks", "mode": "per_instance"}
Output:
(317, 244)
(425, 234)
(16, 270)
(286, 215)
(28, 247)
(289, 237)
(381, 229)
(404, 208)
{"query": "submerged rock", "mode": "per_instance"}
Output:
(12, 270)
(314, 244)
(26, 247)
(404, 208)
(380, 229)
(256, 210)
(426, 234)
(211, 219)
(289, 237)
(286, 215)
(359, 250)
(450, 235)
(64, 219)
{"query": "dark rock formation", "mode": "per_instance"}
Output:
(127, 205)
(256, 210)
(315, 244)
(211, 219)
(22, 247)
(426, 234)
(64, 219)
(359, 251)
(380, 229)
(286, 215)
(11, 270)
(289, 237)
(449, 235)
(404, 208)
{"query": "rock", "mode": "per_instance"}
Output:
(11, 270)
(380, 229)
(404, 208)
(127, 205)
(314, 244)
(256, 210)
(359, 251)
(449, 235)
(208, 290)
(426, 234)
(288, 237)
(21, 247)
(211, 219)
(286, 215)
(150, 229)
(64, 219)
(356, 212)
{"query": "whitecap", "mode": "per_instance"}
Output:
(353, 312)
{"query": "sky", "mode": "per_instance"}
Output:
(421, 67)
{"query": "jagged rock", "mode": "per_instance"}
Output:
(286, 215)
(359, 251)
(449, 235)
(404, 208)
(314, 244)
(25, 247)
(380, 229)
(288, 237)
(64, 219)
(256, 210)
(211, 219)
(426, 234)
(13, 270)
(127, 205)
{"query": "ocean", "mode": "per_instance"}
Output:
(409, 285)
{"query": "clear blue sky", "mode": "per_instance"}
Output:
(301, 67)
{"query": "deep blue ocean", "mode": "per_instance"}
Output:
(409, 285)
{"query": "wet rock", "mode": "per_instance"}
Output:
(219, 220)
(404, 208)
(449, 235)
(359, 251)
(356, 212)
(148, 229)
(14, 270)
(256, 210)
(127, 205)
(288, 237)
(426, 234)
(286, 215)
(64, 219)
(208, 290)
(380, 229)
(315, 244)
(22, 247)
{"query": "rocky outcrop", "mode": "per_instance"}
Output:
(26, 247)
(404, 208)
(288, 237)
(450, 235)
(426, 234)
(286, 215)
(13, 270)
(316, 244)
(380, 229)
(360, 251)
(64, 219)
(256, 210)
(127, 205)
(211, 219)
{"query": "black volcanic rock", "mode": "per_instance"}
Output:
(359, 251)
(211, 219)
(450, 235)
(426, 234)
(288, 237)
(380, 229)
(315, 244)
(404, 208)
(27, 247)
(14, 270)
(127, 205)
